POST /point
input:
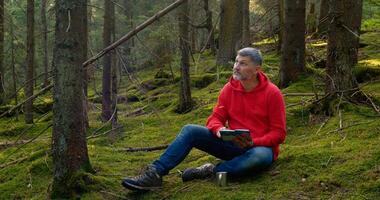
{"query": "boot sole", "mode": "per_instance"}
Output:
(139, 188)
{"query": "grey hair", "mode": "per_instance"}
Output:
(253, 54)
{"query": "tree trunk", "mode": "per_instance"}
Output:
(230, 28)
(2, 70)
(281, 13)
(107, 60)
(45, 56)
(343, 42)
(311, 17)
(293, 48)
(84, 43)
(323, 18)
(185, 102)
(69, 148)
(30, 62)
(14, 79)
(209, 26)
(128, 13)
(114, 78)
(246, 35)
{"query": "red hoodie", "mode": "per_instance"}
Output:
(261, 110)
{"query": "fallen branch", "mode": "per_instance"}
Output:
(13, 162)
(134, 32)
(4, 145)
(28, 99)
(31, 140)
(303, 94)
(322, 125)
(349, 126)
(131, 149)
(105, 133)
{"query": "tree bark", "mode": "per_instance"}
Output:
(230, 27)
(84, 43)
(246, 35)
(14, 77)
(293, 48)
(323, 18)
(185, 102)
(114, 75)
(29, 62)
(128, 13)
(2, 90)
(343, 42)
(45, 56)
(281, 13)
(69, 147)
(107, 60)
(311, 17)
(211, 41)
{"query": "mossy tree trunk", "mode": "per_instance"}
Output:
(2, 91)
(185, 101)
(293, 47)
(230, 31)
(246, 35)
(29, 62)
(107, 60)
(69, 147)
(323, 18)
(343, 42)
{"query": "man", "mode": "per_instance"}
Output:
(248, 101)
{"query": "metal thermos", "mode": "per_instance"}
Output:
(221, 179)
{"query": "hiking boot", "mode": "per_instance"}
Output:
(148, 179)
(201, 172)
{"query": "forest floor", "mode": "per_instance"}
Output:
(322, 158)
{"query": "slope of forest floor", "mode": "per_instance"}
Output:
(323, 158)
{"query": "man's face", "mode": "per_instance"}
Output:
(244, 68)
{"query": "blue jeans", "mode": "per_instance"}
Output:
(237, 161)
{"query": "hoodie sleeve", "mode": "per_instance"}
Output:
(277, 122)
(219, 115)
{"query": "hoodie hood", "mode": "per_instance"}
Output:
(263, 82)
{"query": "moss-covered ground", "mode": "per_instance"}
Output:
(317, 160)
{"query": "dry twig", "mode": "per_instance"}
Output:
(131, 149)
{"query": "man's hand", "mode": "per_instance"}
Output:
(218, 133)
(243, 141)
